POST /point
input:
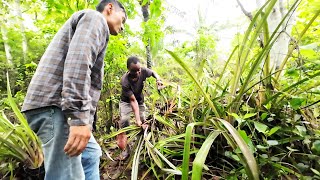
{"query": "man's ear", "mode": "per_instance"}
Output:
(108, 8)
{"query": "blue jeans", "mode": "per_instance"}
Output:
(51, 126)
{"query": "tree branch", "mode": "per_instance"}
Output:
(248, 14)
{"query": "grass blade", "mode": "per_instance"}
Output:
(136, 160)
(201, 156)
(292, 86)
(186, 150)
(165, 122)
(294, 47)
(190, 73)
(249, 163)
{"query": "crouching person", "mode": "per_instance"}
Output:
(132, 99)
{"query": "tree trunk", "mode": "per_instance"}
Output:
(280, 48)
(146, 16)
(6, 45)
(284, 38)
(148, 50)
(22, 28)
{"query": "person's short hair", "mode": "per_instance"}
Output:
(132, 59)
(103, 3)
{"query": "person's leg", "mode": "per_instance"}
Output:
(125, 111)
(91, 159)
(50, 125)
(142, 112)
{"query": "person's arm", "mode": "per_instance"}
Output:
(152, 73)
(88, 41)
(135, 108)
(158, 79)
(155, 75)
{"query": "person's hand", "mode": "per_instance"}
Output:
(144, 126)
(159, 84)
(139, 123)
(78, 140)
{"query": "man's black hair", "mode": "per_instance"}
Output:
(132, 59)
(103, 3)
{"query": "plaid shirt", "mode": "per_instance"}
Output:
(70, 72)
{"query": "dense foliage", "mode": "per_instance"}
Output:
(234, 118)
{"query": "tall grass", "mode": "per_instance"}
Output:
(228, 126)
(18, 143)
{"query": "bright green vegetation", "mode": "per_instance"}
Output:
(234, 118)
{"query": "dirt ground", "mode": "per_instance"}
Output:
(113, 166)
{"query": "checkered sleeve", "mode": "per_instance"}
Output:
(86, 44)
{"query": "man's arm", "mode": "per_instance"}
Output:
(155, 75)
(86, 44)
(152, 73)
(135, 108)
(158, 79)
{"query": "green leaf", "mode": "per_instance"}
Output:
(264, 116)
(273, 130)
(238, 118)
(293, 72)
(296, 102)
(272, 142)
(262, 147)
(201, 156)
(234, 115)
(193, 77)
(302, 166)
(315, 171)
(249, 161)
(144, 2)
(302, 130)
(316, 147)
(260, 127)
(291, 87)
(310, 46)
(174, 168)
(275, 159)
(136, 159)
(267, 106)
(166, 122)
(186, 150)
(245, 137)
(249, 115)
(309, 53)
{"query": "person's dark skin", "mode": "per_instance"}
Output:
(134, 75)
(80, 135)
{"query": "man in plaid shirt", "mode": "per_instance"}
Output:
(63, 94)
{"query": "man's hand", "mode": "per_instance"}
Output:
(159, 84)
(78, 140)
(139, 123)
(144, 126)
